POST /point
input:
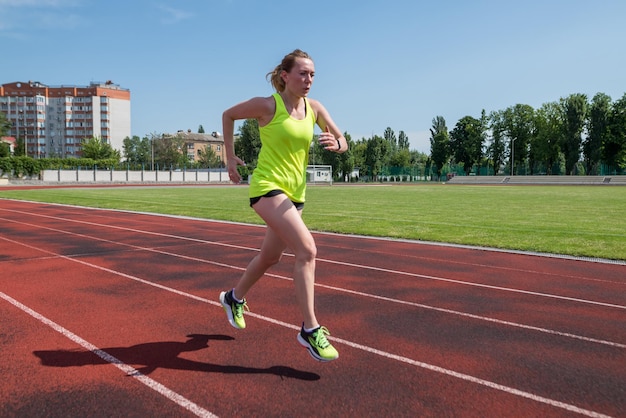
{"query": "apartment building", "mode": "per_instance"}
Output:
(52, 121)
(196, 143)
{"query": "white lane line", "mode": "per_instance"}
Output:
(128, 370)
(427, 366)
(192, 406)
(361, 266)
(486, 286)
(362, 294)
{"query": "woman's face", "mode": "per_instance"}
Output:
(299, 80)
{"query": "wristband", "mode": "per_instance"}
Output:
(338, 144)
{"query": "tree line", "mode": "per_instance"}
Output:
(159, 151)
(371, 156)
(571, 136)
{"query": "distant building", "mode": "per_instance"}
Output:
(10, 141)
(196, 143)
(54, 120)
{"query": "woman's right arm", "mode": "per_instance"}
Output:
(256, 108)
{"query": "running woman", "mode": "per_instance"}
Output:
(277, 190)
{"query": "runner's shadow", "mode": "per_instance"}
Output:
(148, 357)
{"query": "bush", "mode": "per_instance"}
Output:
(27, 166)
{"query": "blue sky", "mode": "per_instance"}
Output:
(378, 64)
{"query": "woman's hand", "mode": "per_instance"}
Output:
(328, 141)
(233, 173)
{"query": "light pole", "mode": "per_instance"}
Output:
(151, 154)
(513, 155)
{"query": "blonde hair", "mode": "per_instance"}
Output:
(286, 65)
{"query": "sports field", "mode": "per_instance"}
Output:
(583, 221)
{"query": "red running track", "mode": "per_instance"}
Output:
(107, 313)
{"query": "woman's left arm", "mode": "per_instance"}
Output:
(331, 137)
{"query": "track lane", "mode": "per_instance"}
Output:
(357, 311)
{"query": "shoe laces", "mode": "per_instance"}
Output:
(240, 307)
(320, 337)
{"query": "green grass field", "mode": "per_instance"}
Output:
(584, 221)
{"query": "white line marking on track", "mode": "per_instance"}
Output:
(367, 295)
(380, 269)
(482, 382)
(427, 366)
(129, 370)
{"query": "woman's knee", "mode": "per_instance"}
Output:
(307, 252)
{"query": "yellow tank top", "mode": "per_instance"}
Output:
(284, 154)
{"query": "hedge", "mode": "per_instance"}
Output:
(31, 167)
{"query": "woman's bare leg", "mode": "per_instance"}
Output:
(285, 228)
(270, 254)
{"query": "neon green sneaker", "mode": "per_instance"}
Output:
(317, 344)
(234, 310)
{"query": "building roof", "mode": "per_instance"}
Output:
(197, 137)
(95, 88)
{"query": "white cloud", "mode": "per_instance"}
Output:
(53, 21)
(174, 15)
(44, 14)
(38, 3)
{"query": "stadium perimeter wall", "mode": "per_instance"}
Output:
(128, 176)
(221, 176)
(555, 180)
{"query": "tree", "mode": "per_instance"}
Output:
(346, 159)
(5, 150)
(614, 147)
(98, 149)
(342, 163)
(466, 142)
(497, 145)
(575, 110)
(518, 124)
(390, 136)
(5, 125)
(598, 131)
(207, 157)
(137, 151)
(439, 144)
(168, 151)
(400, 158)
(545, 144)
(403, 141)
(248, 145)
(357, 153)
(376, 155)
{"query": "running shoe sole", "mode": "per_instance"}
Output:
(229, 310)
(312, 351)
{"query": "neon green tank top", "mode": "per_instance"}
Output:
(284, 154)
